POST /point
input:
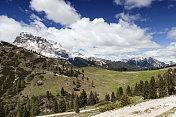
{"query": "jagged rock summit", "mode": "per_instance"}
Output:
(149, 62)
(42, 46)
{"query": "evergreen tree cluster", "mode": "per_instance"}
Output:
(157, 87)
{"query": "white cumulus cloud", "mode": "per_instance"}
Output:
(93, 38)
(130, 4)
(172, 33)
(56, 10)
(129, 18)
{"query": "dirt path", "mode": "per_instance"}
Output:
(150, 108)
(67, 113)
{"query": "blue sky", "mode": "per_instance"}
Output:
(112, 29)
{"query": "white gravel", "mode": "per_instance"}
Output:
(67, 113)
(150, 108)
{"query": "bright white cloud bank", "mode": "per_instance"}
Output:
(166, 54)
(56, 10)
(93, 37)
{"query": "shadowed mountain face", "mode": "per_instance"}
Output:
(145, 62)
(53, 49)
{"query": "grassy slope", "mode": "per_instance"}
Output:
(104, 80)
(107, 81)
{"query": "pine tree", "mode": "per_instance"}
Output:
(162, 87)
(171, 86)
(128, 91)
(62, 92)
(125, 100)
(96, 98)
(82, 70)
(119, 93)
(113, 97)
(170, 78)
(152, 92)
(141, 88)
(76, 105)
(62, 106)
(91, 100)
(107, 97)
(136, 90)
(48, 95)
(146, 94)
(55, 107)
(83, 99)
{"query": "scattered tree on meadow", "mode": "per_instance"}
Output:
(170, 77)
(62, 92)
(83, 98)
(119, 93)
(91, 100)
(146, 94)
(113, 98)
(107, 97)
(141, 88)
(128, 91)
(136, 90)
(162, 87)
(152, 90)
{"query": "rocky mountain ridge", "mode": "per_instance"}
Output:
(53, 49)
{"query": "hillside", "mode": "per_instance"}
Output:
(107, 80)
(27, 76)
(18, 69)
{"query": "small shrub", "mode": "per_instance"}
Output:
(108, 107)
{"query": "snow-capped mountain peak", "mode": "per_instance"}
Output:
(54, 49)
(149, 62)
(42, 46)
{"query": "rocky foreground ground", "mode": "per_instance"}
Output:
(165, 107)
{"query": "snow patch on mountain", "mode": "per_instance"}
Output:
(42, 46)
(149, 62)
